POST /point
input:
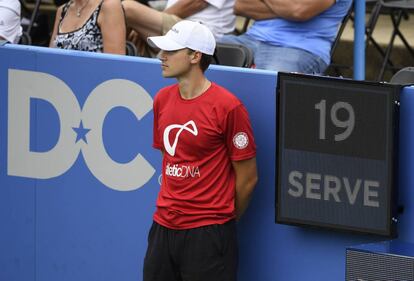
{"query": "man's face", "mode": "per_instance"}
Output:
(177, 63)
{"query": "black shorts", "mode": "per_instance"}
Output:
(207, 253)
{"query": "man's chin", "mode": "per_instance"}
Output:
(167, 75)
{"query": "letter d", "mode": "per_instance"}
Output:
(41, 165)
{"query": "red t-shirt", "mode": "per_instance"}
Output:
(199, 138)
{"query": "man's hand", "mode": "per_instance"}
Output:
(133, 36)
(186, 8)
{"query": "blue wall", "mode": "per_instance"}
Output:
(82, 223)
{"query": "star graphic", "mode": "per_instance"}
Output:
(81, 133)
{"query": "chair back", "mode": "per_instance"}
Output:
(25, 39)
(334, 67)
(341, 28)
(404, 76)
(131, 49)
(233, 55)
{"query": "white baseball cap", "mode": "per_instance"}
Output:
(186, 34)
(10, 28)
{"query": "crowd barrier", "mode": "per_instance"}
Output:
(79, 176)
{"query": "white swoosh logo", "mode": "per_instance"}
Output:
(171, 148)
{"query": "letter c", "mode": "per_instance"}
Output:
(110, 94)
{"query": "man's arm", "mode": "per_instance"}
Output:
(246, 179)
(186, 8)
(298, 10)
(254, 9)
(147, 21)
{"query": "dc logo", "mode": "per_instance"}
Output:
(75, 124)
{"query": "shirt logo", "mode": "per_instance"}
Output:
(182, 171)
(240, 140)
(171, 148)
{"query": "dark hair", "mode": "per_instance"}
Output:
(205, 60)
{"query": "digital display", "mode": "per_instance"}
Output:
(336, 153)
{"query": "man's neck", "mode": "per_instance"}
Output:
(193, 85)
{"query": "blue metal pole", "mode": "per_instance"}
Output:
(359, 40)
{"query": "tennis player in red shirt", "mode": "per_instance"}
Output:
(208, 166)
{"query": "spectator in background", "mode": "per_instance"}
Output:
(287, 35)
(10, 28)
(217, 15)
(90, 25)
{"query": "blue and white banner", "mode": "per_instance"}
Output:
(79, 177)
(78, 174)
